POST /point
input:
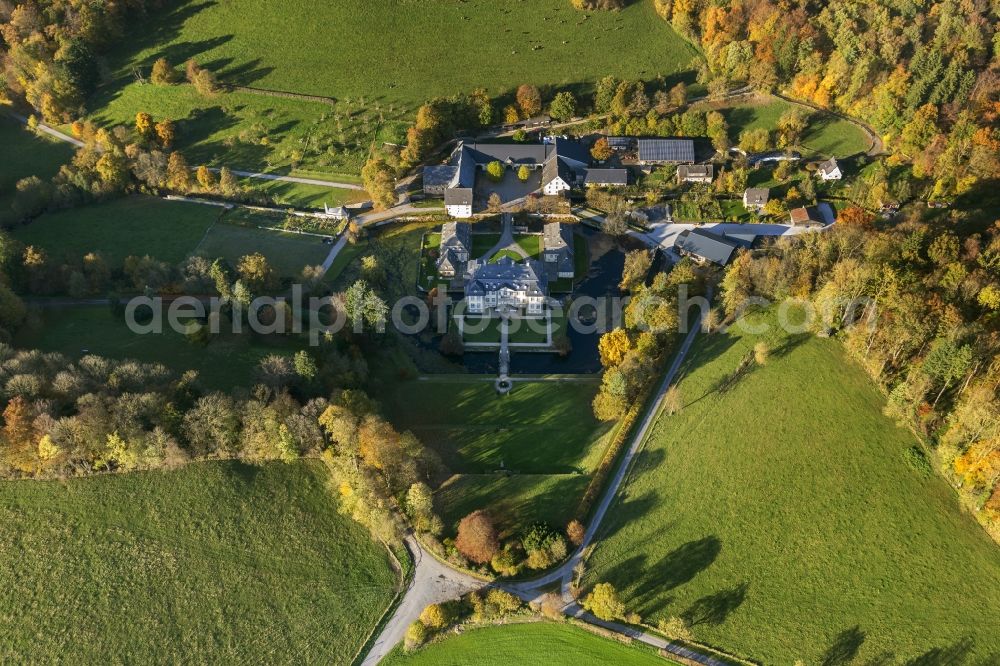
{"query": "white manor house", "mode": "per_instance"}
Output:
(517, 285)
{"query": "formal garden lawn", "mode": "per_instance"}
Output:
(530, 643)
(226, 361)
(287, 252)
(543, 433)
(780, 514)
(26, 154)
(827, 134)
(216, 562)
(138, 225)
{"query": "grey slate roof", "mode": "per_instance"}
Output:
(828, 166)
(437, 178)
(695, 171)
(666, 150)
(558, 239)
(526, 277)
(756, 196)
(607, 177)
(706, 245)
(458, 196)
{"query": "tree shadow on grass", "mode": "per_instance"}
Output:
(845, 647)
(715, 608)
(627, 508)
(789, 344)
(676, 568)
(952, 655)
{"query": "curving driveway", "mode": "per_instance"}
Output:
(435, 582)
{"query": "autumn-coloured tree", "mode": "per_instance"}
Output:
(477, 537)
(613, 347)
(163, 73)
(178, 173)
(601, 150)
(855, 216)
(637, 265)
(604, 602)
(165, 133)
(575, 532)
(529, 100)
(206, 179)
(144, 125)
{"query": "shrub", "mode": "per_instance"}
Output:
(675, 628)
(477, 537)
(495, 170)
(576, 532)
(917, 460)
(604, 602)
(435, 616)
(416, 635)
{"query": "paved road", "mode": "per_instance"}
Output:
(532, 590)
(433, 582)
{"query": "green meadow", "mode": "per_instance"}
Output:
(779, 513)
(225, 361)
(827, 134)
(26, 154)
(525, 456)
(531, 643)
(137, 225)
(217, 562)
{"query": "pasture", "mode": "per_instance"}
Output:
(779, 514)
(226, 361)
(369, 50)
(529, 643)
(375, 65)
(531, 451)
(826, 135)
(215, 562)
(288, 253)
(26, 154)
(248, 131)
(138, 225)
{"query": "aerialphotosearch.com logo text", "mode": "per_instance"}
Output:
(322, 317)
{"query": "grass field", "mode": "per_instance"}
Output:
(167, 230)
(288, 253)
(214, 563)
(370, 49)
(827, 135)
(256, 132)
(301, 195)
(532, 643)
(542, 432)
(26, 154)
(778, 514)
(375, 62)
(227, 361)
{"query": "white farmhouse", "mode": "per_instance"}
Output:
(829, 170)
